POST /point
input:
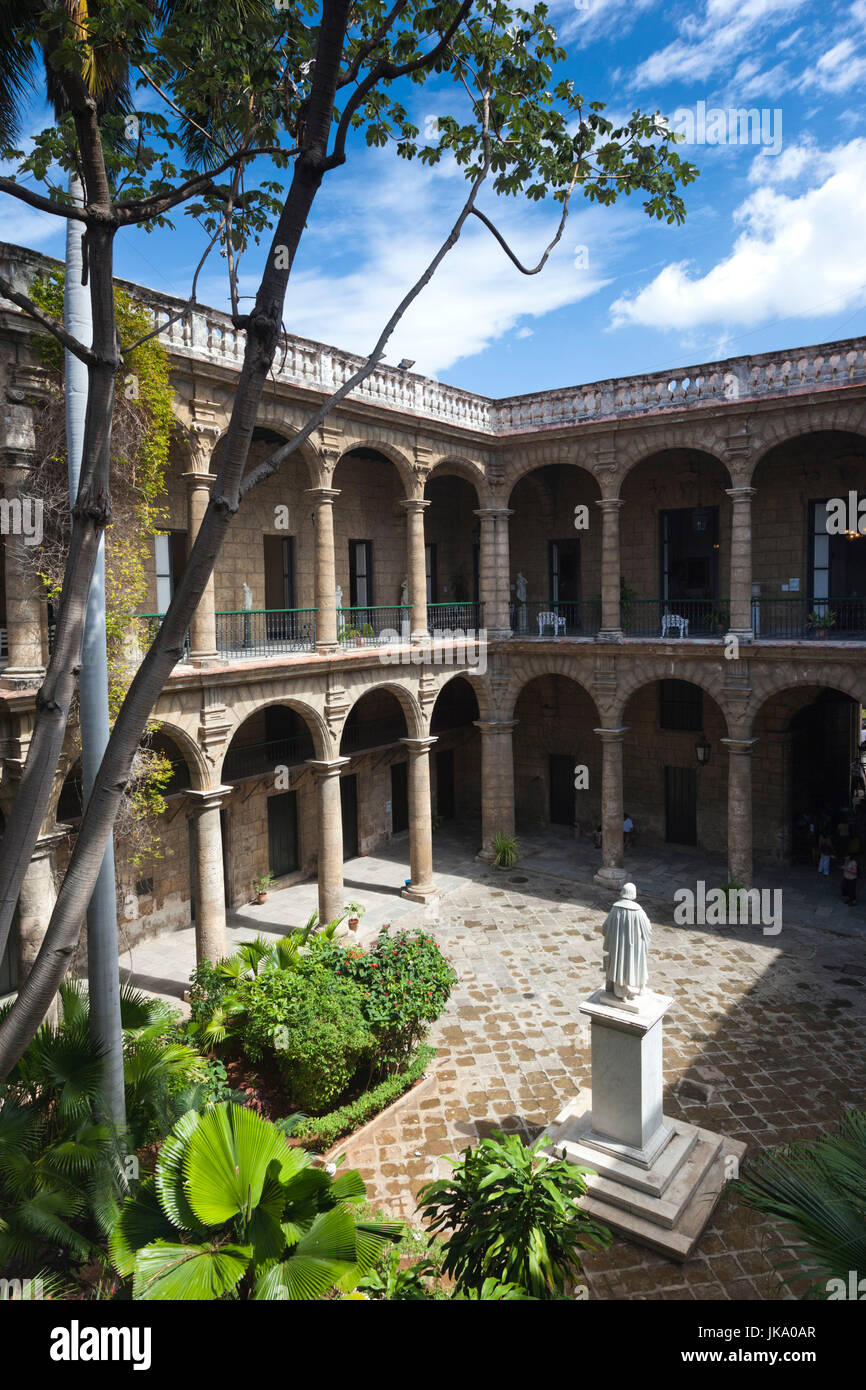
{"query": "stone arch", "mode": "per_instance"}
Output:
(830, 417)
(769, 684)
(400, 460)
(527, 461)
(643, 455)
(324, 745)
(480, 686)
(276, 421)
(369, 682)
(532, 667)
(711, 681)
(454, 465)
(200, 773)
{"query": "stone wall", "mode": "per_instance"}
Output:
(555, 716)
(543, 503)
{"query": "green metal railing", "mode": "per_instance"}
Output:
(675, 618)
(805, 619)
(372, 627)
(454, 617)
(265, 632)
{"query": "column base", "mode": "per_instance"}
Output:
(327, 648)
(421, 892)
(609, 634)
(421, 637)
(23, 677)
(210, 658)
(742, 634)
(609, 876)
(499, 634)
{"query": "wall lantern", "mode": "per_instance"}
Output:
(703, 750)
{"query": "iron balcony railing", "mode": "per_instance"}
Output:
(562, 618)
(265, 632)
(455, 617)
(675, 618)
(372, 627)
(259, 759)
(807, 619)
(372, 733)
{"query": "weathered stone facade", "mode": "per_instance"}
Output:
(456, 495)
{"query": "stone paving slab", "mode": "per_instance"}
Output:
(772, 1029)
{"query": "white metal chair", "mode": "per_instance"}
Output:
(676, 620)
(553, 620)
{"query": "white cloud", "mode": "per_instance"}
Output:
(713, 40)
(359, 266)
(840, 68)
(797, 256)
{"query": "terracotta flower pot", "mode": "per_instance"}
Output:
(260, 897)
(353, 923)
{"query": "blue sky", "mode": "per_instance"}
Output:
(772, 253)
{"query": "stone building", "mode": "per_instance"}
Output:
(668, 629)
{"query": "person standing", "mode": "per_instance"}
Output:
(849, 879)
(825, 853)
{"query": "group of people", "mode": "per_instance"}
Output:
(817, 836)
(627, 832)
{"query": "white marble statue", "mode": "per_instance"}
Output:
(404, 592)
(626, 933)
(520, 587)
(248, 597)
(338, 595)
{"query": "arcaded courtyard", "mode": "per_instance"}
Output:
(765, 1041)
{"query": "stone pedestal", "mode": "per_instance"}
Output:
(656, 1180)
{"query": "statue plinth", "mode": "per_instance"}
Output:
(656, 1179)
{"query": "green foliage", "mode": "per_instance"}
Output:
(504, 850)
(233, 1212)
(818, 1189)
(313, 1026)
(405, 982)
(321, 1133)
(399, 1283)
(511, 1215)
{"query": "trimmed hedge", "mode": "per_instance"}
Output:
(320, 1133)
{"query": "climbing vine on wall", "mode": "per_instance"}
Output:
(140, 442)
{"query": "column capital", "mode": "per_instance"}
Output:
(496, 726)
(493, 513)
(416, 505)
(612, 735)
(419, 745)
(47, 843)
(322, 494)
(324, 768)
(210, 798)
(609, 504)
(741, 494)
(739, 745)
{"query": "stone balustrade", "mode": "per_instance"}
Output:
(208, 335)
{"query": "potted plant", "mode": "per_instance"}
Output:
(820, 619)
(719, 621)
(356, 912)
(261, 884)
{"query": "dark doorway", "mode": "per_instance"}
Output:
(283, 833)
(562, 789)
(445, 809)
(824, 743)
(565, 571)
(279, 578)
(431, 565)
(689, 552)
(227, 875)
(681, 805)
(193, 840)
(361, 574)
(349, 805)
(399, 797)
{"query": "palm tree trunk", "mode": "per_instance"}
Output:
(103, 968)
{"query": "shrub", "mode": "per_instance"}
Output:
(504, 850)
(511, 1216)
(313, 1026)
(321, 1133)
(405, 983)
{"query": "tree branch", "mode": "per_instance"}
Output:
(38, 200)
(143, 209)
(533, 270)
(52, 326)
(366, 48)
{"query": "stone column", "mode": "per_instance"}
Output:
(26, 629)
(611, 872)
(326, 580)
(497, 780)
(210, 898)
(422, 887)
(416, 566)
(741, 562)
(611, 624)
(740, 809)
(494, 568)
(202, 627)
(36, 900)
(330, 855)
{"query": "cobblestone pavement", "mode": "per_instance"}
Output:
(773, 1026)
